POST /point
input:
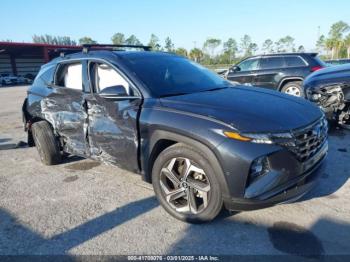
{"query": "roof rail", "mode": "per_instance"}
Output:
(87, 47)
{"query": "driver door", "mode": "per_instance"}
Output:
(113, 111)
(245, 72)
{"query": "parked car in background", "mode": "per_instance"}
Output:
(8, 79)
(24, 80)
(200, 141)
(330, 89)
(282, 72)
(338, 61)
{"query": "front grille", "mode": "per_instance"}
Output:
(309, 140)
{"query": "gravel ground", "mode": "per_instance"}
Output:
(85, 207)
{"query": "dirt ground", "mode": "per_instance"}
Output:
(85, 207)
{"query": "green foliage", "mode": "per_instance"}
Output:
(247, 46)
(132, 40)
(169, 46)
(336, 44)
(118, 39)
(53, 40)
(230, 51)
(285, 44)
(196, 54)
(267, 46)
(181, 51)
(154, 43)
(86, 40)
(211, 44)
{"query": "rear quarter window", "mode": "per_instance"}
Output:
(294, 61)
(45, 76)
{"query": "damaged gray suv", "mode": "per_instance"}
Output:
(200, 141)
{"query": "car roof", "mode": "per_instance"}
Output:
(284, 54)
(108, 54)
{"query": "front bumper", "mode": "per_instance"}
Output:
(288, 181)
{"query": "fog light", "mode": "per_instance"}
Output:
(259, 167)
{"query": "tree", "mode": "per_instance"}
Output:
(301, 49)
(335, 41)
(53, 40)
(320, 44)
(118, 39)
(347, 45)
(211, 44)
(196, 54)
(169, 46)
(132, 40)
(285, 44)
(181, 51)
(267, 46)
(86, 40)
(154, 42)
(247, 46)
(230, 49)
(338, 29)
(330, 45)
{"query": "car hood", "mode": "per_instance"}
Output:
(330, 75)
(248, 109)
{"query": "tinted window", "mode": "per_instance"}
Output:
(293, 61)
(250, 64)
(167, 75)
(271, 62)
(70, 76)
(105, 76)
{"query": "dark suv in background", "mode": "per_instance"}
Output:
(282, 72)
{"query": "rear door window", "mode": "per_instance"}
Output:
(70, 76)
(294, 61)
(272, 62)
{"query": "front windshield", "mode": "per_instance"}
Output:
(167, 75)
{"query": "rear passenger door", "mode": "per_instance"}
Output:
(244, 72)
(113, 111)
(65, 109)
(271, 70)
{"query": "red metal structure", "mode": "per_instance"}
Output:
(26, 58)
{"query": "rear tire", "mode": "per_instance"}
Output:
(198, 198)
(293, 88)
(46, 143)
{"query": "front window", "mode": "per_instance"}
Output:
(167, 75)
(104, 76)
(249, 65)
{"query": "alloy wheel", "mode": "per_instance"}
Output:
(185, 186)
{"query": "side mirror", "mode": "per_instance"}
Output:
(113, 91)
(235, 69)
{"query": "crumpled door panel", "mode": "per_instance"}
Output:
(65, 110)
(112, 133)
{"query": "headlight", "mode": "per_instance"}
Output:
(261, 138)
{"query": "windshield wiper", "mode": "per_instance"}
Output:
(173, 94)
(215, 88)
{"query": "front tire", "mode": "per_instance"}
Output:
(46, 143)
(186, 184)
(293, 88)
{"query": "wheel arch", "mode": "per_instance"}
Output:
(161, 140)
(287, 80)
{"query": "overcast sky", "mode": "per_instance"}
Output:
(186, 22)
